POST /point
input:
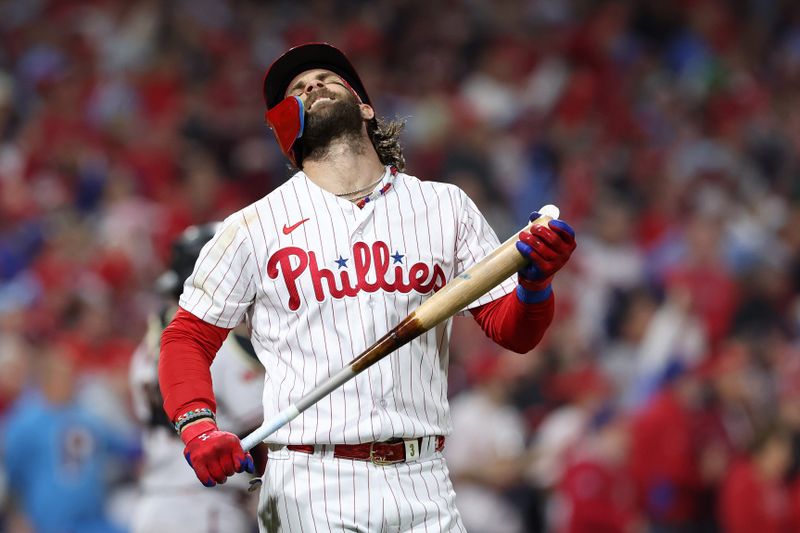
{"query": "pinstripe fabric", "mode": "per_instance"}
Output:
(319, 292)
(304, 492)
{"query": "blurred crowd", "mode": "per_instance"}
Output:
(666, 395)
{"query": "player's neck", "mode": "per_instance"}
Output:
(345, 168)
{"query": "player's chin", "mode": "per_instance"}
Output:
(332, 120)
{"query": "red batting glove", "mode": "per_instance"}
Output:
(548, 248)
(214, 455)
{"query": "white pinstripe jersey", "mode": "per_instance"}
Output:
(322, 280)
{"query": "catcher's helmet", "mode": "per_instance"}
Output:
(185, 250)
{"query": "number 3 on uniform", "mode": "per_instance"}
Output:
(411, 449)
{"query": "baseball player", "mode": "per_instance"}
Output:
(171, 498)
(322, 267)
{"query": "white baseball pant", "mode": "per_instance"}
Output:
(320, 493)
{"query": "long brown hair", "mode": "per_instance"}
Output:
(385, 137)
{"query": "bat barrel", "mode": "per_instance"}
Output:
(476, 281)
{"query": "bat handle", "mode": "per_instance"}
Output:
(293, 411)
(269, 427)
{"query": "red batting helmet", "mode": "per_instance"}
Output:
(285, 115)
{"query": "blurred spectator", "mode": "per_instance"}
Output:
(705, 278)
(597, 491)
(671, 469)
(56, 454)
(582, 392)
(609, 260)
(486, 451)
(670, 334)
(731, 420)
(755, 495)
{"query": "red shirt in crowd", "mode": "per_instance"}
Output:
(749, 503)
(714, 294)
(664, 460)
(600, 498)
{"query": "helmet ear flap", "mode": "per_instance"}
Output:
(287, 120)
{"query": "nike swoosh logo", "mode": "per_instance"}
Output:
(288, 229)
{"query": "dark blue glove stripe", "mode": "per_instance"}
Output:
(560, 224)
(533, 297)
(247, 465)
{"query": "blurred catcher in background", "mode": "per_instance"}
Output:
(171, 498)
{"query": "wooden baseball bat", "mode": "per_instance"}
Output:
(462, 290)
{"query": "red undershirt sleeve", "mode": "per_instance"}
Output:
(188, 347)
(515, 325)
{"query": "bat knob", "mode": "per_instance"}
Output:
(551, 211)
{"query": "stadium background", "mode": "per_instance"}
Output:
(666, 395)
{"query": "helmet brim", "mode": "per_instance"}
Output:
(307, 57)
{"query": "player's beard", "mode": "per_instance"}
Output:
(337, 120)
